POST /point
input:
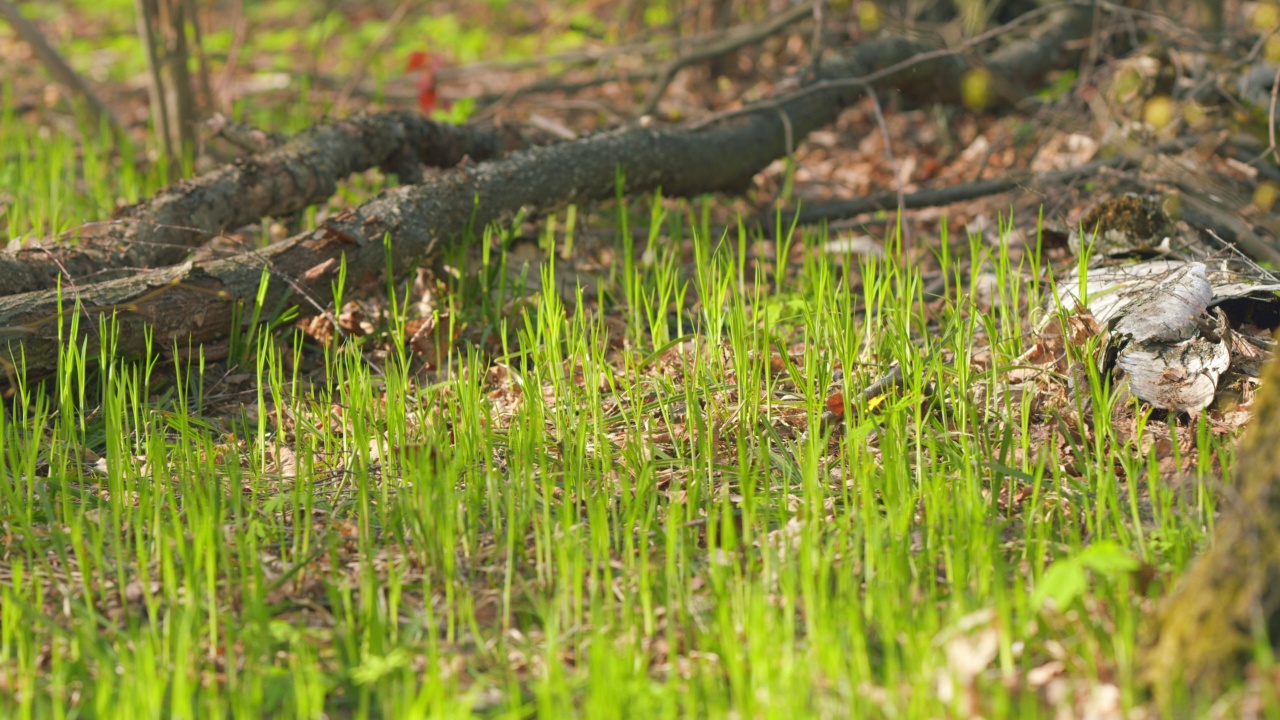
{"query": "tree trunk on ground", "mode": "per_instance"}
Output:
(304, 171)
(195, 303)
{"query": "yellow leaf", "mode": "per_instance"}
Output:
(1265, 196)
(1271, 50)
(868, 17)
(975, 88)
(1159, 111)
(1196, 115)
(1265, 17)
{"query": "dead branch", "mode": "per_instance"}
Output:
(58, 67)
(146, 12)
(888, 201)
(403, 90)
(1198, 212)
(1249, 151)
(246, 138)
(376, 49)
(1229, 226)
(193, 303)
(491, 101)
(1014, 66)
(301, 172)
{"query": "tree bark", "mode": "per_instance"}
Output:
(195, 303)
(302, 172)
(1224, 607)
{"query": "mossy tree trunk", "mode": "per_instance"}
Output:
(1207, 629)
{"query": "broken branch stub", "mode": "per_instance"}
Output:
(303, 171)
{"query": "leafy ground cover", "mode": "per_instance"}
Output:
(679, 513)
(620, 461)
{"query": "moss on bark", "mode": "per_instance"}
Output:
(1205, 631)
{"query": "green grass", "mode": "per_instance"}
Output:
(634, 508)
(628, 504)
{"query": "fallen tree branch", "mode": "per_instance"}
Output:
(193, 303)
(301, 172)
(1198, 212)
(58, 67)
(1015, 65)
(558, 85)
(1203, 212)
(710, 46)
(888, 201)
(1246, 149)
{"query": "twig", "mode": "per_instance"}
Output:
(968, 191)
(575, 57)
(202, 61)
(75, 292)
(1234, 249)
(986, 158)
(893, 164)
(244, 136)
(866, 80)
(58, 67)
(1206, 213)
(1090, 58)
(492, 101)
(547, 125)
(557, 83)
(728, 44)
(1271, 118)
(815, 44)
(1244, 148)
(375, 49)
(155, 86)
(225, 79)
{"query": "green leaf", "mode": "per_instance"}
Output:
(1066, 579)
(1107, 558)
(1063, 582)
(375, 667)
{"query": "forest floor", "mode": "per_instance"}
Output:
(628, 459)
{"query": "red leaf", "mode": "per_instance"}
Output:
(417, 59)
(835, 404)
(426, 64)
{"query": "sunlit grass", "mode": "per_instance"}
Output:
(636, 501)
(649, 516)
